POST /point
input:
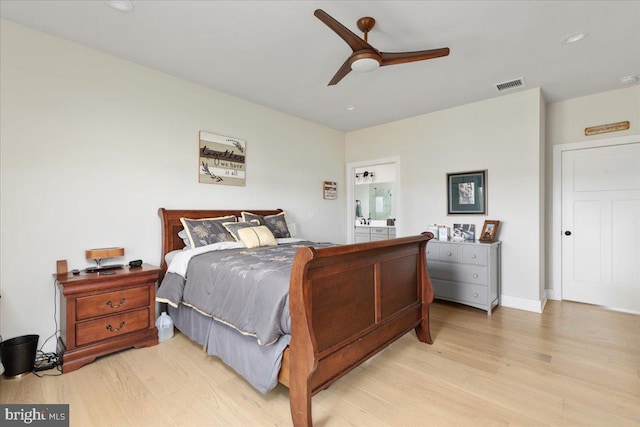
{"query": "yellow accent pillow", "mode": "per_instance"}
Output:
(253, 237)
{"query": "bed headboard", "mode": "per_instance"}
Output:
(171, 225)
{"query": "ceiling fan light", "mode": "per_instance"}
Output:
(364, 65)
(121, 5)
(574, 37)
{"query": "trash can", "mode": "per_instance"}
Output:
(19, 355)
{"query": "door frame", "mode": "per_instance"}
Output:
(351, 183)
(555, 291)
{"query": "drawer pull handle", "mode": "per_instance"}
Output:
(110, 304)
(475, 294)
(449, 254)
(112, 329)
(474, 256)
(475, 276)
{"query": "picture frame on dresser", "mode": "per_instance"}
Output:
(489, 231)
(467, 193)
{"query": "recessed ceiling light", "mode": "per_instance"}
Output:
(628, 80)
(121, 5)
(350, 108)
(574, 37)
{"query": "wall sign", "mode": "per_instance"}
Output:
(330, 190)
(221, 159)
(611, 127)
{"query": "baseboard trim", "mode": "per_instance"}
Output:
(536, 306)
(553, 294)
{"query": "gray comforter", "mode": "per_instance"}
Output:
(247, 289)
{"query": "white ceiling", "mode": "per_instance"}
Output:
(276, 53)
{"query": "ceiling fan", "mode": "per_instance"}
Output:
(366, 57)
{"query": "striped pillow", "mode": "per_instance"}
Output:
(254, 237)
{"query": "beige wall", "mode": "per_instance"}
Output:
(502, 135)
(566, 120)
(92, 146)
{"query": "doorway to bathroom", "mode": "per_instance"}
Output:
(373, 194)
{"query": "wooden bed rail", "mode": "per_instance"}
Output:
(349, 302)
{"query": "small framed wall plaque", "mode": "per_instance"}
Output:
(611, 127)
(329, 190)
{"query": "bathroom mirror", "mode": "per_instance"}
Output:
(374, 201)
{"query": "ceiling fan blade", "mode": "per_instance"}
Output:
(419, 55)
(355, 42)
(342, 72)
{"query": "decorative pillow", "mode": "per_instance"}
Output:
(277, 224)
(253, 237)
(233, 227)
(205, 231)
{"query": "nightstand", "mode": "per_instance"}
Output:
(104, 313)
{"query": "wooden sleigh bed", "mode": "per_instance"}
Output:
(346, 304)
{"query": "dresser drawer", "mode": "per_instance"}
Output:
(449, 253)
(462, 273)
(475, 254)
(461, 292)
(432, 251)
(111, 326)
(111, 302)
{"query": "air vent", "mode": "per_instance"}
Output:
(511, 84)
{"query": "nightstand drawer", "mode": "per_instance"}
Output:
(111, 326)
(111, 302)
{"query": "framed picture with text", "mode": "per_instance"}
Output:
(467, 193)
(329, 190)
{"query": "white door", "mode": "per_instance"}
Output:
(601, 226)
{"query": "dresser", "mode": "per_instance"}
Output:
(367, 233)
(465, 272)
(103, 313)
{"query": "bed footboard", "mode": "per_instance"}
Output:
(349, 302)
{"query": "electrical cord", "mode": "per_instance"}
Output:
(52, 357)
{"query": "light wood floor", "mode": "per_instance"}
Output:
(573, 365)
